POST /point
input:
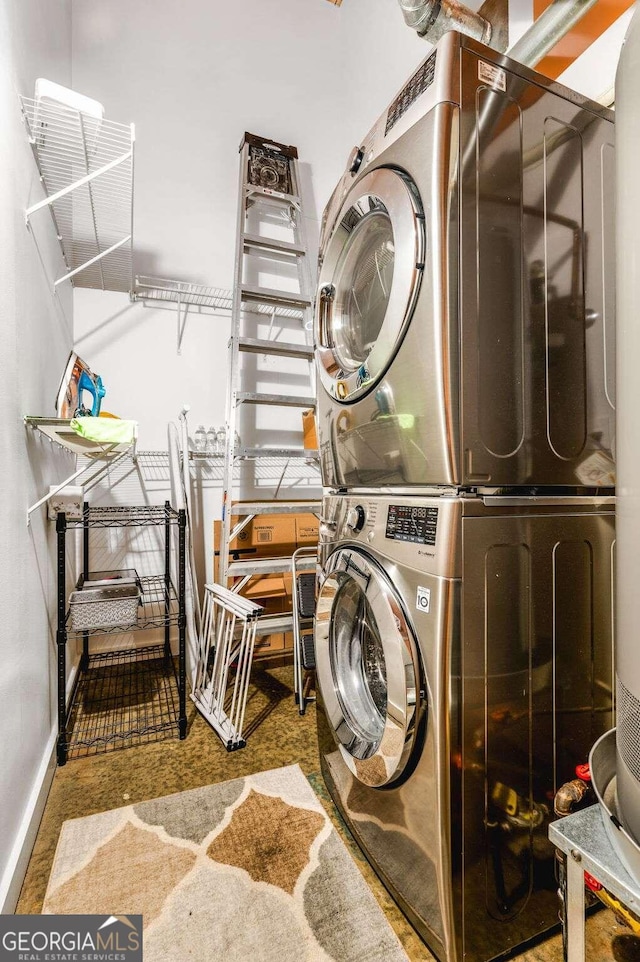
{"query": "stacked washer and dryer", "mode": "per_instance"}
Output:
(465, 355)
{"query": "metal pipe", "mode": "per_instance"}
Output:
(433, 18)
(550, 27)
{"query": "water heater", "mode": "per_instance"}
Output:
(628, 430)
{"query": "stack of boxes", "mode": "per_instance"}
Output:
(269, 536)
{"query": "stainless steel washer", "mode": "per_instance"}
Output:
(464, 323)
(464, 664)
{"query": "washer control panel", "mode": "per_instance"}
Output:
(411, 522)
(421, 533)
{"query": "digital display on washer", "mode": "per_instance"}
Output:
(410, 522)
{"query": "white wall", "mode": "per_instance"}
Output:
(35, 338)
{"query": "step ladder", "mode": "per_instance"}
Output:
(303, 587)
(272, 317)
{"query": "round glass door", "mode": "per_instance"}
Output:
(370, 276)
(367, 668)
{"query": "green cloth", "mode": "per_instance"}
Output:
(105, 430)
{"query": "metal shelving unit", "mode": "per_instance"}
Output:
(135, 695)
(86, 169)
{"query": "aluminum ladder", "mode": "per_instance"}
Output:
(269, 194)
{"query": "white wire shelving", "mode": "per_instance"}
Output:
(86, 169)
(185, 296)
(89, 455)
(198, 298)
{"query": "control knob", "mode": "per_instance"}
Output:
(355, 160)
(356, 518)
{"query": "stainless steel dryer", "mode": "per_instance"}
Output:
(464, 322)
(464, 665)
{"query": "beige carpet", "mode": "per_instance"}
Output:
(247, 869)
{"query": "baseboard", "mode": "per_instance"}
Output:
(16, 868)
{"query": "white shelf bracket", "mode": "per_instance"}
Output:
(108, 456)
(182, 323)
(78, 183)
(93, 260)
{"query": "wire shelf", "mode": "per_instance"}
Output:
(86, 167)
(123, 698)
(119, 516)
(212, 299)
(159, 608)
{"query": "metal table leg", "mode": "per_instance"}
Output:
(575, 908)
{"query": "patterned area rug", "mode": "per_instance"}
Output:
(248, 869)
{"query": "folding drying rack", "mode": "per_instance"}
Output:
(227, 641)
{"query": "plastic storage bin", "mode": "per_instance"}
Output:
(110, 605)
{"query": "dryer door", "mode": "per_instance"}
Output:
(370, 276)
(367, 667)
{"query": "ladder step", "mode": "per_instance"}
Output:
(270, 244)
(270, 624)
(281, 400)
(268, 566)
(267, 295)
(276, 507)
(272, 196)
(255, 454)
(254, 345)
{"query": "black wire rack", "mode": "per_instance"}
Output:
(121, 516)
(135, 694)
(123, 698)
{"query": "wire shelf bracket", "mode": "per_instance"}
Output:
(86, 169)
(203, 299)
(185, 296)
(58, 431)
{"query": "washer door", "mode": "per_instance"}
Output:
(369, 281)
(367, 667)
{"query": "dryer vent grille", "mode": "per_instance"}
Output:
(628, 722)
(416, 85)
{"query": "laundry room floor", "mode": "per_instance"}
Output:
(278, 736)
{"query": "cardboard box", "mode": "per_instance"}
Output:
(309, 430)
(307, 527)
(278, 643)
(269, 643)
(267, 535)
(265, 587)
